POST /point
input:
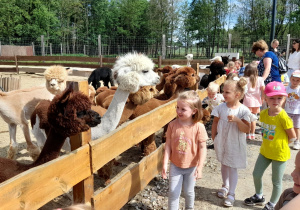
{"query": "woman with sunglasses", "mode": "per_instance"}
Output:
(294, 58)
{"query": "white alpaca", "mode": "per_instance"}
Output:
(216, 58)
(131, 72)
(17, 106)
(189, 58)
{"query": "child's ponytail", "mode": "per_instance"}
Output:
(252, 73)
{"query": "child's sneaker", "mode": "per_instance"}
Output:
(248, 136)
(254, 200)
(268, 206)
(296, 145)
(252, 136)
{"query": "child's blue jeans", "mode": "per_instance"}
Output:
(181, 177)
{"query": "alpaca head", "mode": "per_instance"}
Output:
(56, 79)
(225, 59)
(143, 95)
(189, 57)
(186, 77)
(70, 113)
(216, 68)
(133, 71)
(217, 58)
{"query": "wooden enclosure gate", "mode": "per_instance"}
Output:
(34, 188)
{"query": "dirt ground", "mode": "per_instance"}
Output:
(154, 196)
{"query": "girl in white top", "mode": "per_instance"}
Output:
(230, 125)
(253, 96)
(292, 104)
(213, 98)
(294, 58)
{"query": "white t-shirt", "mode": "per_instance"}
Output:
(214, 102)
(292, 104)
(294, 61)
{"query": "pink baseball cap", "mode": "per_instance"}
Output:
(275, 89)
(296, 73)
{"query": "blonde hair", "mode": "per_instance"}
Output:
(260, 45)
(213, 87)
(251, 72)
(239, 62)
(240, 85)
(231, 64)
(192, 98)
(231, 75)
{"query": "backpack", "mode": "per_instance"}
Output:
(282, 65)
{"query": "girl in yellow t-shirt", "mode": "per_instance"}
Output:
(277, 133)
(186, 148)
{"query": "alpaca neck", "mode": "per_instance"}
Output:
(51, 149)
(112, 116)
(188, 64)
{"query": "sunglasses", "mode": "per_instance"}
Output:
(294, 42)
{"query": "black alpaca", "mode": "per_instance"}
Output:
(216, 70)
(102, 73)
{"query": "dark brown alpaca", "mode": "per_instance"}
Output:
(68, 114)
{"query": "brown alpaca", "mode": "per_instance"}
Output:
(178, 80)
(166, 70)
(68, 114)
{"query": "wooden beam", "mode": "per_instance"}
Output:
(34, 188)
(117, 194)
(129, 134)
(84, 190)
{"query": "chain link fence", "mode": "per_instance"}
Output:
(153, 47)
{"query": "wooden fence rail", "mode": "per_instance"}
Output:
(17, 63)
(37, 186)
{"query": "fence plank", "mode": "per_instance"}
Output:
(35, 187)
(129, 134)
(13, 69)
(58, 58)
(134, 180)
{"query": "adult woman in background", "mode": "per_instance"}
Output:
(294, 58)
(268, 64)
(274, 47)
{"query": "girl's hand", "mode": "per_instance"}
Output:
(164, 173)
(198, 173)
(231, 118)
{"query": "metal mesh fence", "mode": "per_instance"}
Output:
(114, 46)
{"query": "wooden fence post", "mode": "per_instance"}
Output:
(16, 62)
(43, 45)
(163, 47)
(159, 61)
(84, 190)
(99, 45)
(101, 60)
(33, 50)
(51, 49)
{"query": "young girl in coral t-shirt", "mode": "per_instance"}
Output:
(186, 148)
